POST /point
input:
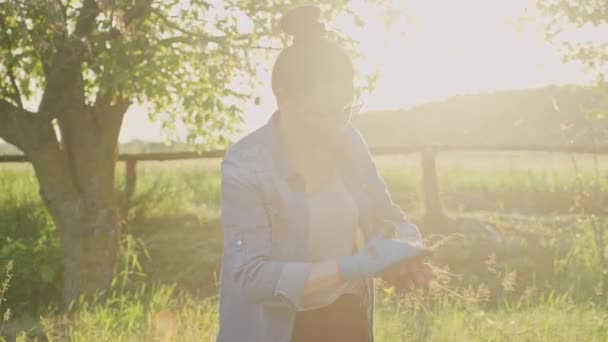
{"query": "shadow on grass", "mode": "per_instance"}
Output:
(183, 249)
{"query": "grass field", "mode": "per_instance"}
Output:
(540, 284)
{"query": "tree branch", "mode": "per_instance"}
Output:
(108, 114)
(64, 88)
(7, 131)
(16, 95)
(16, 125)
(189, 36)
(139, 11)
(40, 45)
(86, 19)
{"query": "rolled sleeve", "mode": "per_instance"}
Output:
(248, 246)
(292, 281)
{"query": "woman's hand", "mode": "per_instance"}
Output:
(410, 274)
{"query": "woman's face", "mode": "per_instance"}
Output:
(316, 115)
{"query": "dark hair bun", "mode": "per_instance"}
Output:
(303, 23)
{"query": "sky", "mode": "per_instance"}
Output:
(442, 48)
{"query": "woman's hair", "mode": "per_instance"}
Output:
(311, 58)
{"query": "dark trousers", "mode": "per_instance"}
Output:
(344, 320)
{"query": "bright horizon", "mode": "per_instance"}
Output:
(442, 49)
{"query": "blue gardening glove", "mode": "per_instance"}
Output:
(377, 255)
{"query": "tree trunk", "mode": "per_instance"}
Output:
(76, 179)
(90, 233)
(77, 186)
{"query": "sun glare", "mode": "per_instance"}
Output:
(435, 49)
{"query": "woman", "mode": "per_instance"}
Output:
(295, 194)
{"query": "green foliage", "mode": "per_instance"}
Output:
(565, 21)
(174, 234)
(27, 236)
(129, 270)
(5, 281)
(174, 237)
(125, 316)
(195, 63)
(440, 314)
(581, 270)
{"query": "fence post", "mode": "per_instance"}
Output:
(433, 209)
(130, 179)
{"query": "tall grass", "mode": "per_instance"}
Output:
(543, 286)
(28, 238)
(442, 313)
(5, 312)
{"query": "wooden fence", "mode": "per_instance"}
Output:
(432, 201)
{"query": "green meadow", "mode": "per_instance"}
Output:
(538, 278)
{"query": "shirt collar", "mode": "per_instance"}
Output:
(282, 163)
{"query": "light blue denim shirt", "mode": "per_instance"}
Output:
(265, 225)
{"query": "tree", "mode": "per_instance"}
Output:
(83, 63)
(588, 18)
(566, 19)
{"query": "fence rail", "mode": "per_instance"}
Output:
(432, 201)
(167, 156)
